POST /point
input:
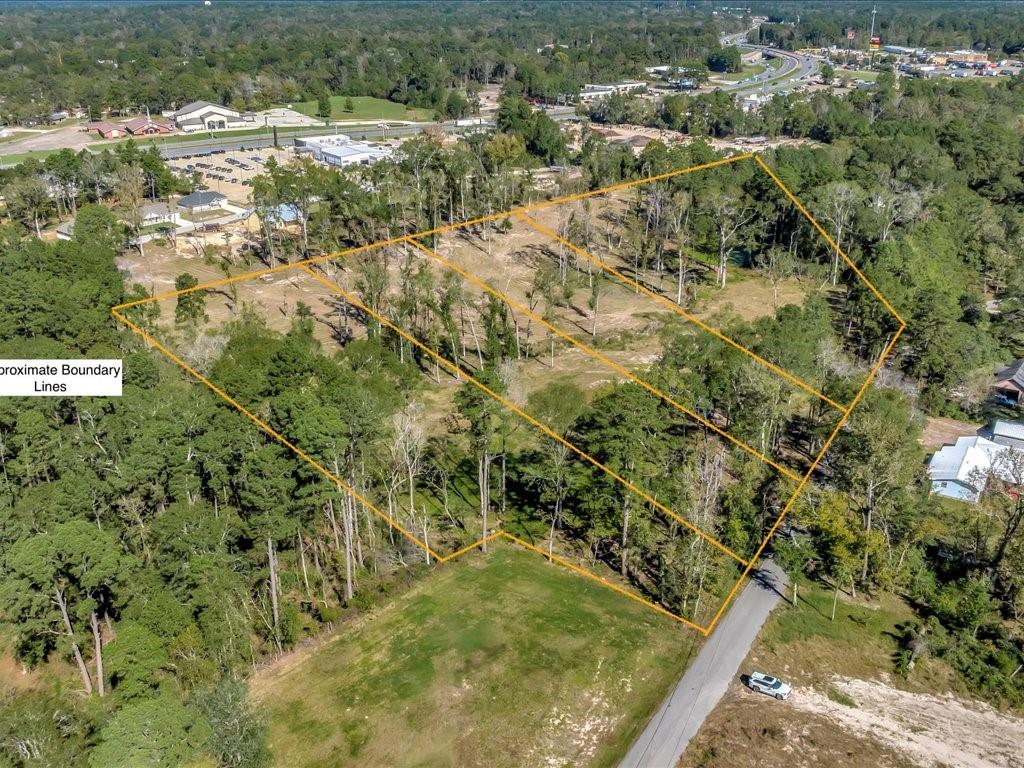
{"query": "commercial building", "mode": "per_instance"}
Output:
(593, 91)
(205, 116)
(144, 126)
(339, 150)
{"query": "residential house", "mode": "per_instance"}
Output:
(1009, 384)
(199, 202)
(205, 116)
(144, 126)
(1009, 433)
(961, 471)
(160, 213)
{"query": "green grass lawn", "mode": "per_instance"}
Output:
(861, 642)
(857, 74)
(747, 71)
(498, 659)
(14, 136)
(364, 108)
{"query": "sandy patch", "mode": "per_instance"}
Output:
(930, 730)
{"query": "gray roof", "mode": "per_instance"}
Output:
(1014, 372)
(196, 199)
(192, 107)
(197, 105)
(158, 209)
(1010, 429)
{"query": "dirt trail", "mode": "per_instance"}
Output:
(930, 730)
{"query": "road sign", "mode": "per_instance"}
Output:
(850, 34)
(876, 43)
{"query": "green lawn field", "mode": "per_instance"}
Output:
(497, 659)
(857, 74)
(748, 71)
(364, 108)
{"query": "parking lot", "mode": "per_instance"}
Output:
(229, 172)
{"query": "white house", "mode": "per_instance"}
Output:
(340, 150)
(961, 471)
(204, 116)
(160, 213)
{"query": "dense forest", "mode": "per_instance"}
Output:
(996, 27)
(253, 55)
(158, 547)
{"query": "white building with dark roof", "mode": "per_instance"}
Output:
(206, 116)
(205, 200)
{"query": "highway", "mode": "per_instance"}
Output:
(795, 67)
(706, 680)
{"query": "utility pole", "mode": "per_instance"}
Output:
(871, 37)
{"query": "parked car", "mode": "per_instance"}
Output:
(762, 683)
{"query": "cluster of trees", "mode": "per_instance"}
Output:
(135, 604)
(122, 58)
(35, 192)
(926, 200)
(155, 547)
(426, 184)
(937, 25)
(900, 170)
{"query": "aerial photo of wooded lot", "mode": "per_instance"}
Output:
(523, 384)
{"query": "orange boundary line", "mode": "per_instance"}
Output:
(520, 212)
(831, 242)
(594, 577)
(520, 412)
(679, 311)
(607, 361)
(436, 230)
(471, 547)
(273, 433)
(799, 489)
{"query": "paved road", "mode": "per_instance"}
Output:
(706, 680)
(794, 68)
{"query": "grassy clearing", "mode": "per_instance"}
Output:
(748, 71)
(14, 136)
(857, 74)
(496, 660)
(364, 108)
(802, 644)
